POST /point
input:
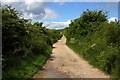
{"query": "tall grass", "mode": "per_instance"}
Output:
(99, 44)
(25, 46)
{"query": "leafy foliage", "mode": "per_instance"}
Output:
(26, 46)
(96, 40)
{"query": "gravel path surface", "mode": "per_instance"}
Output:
(66, 61)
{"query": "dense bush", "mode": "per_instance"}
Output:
(25, 46)
(96, 40)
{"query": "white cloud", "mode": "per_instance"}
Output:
(61, 3)
(32, 10)
(50, 14)
(112, 19)
(57, 25)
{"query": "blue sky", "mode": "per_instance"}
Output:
(58, 14)
(72, 10)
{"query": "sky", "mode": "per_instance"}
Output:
(57, 15)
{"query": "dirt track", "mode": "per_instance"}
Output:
(65, 61)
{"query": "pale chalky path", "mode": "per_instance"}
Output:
(66, 61)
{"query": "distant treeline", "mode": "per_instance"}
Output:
(96, 40)
(25, 46)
